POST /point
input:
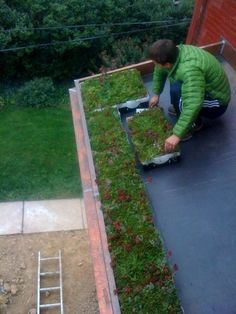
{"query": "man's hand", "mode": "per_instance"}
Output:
(171, 142)
(154, 101)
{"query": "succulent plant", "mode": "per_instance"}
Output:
(112, 89)
(143, 279)
(149, 130)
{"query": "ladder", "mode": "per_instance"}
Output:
(54, 275)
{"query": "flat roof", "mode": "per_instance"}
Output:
(194, 204)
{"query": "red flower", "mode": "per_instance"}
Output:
(168, 126)
(168, 277)
(123, 196)
(127, 290)
(117, 225)
(128, 247)
(166, 269)
(142, 194)
(151, 134)
(137, 239)
(107, 196)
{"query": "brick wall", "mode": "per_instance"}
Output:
(212, 20)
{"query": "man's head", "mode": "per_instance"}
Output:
(163, 52)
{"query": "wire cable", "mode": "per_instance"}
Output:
(81, 39)
(91, 25)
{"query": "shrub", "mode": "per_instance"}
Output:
(123, 52)
(39, 92)
(2, 102)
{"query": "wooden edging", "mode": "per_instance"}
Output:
(103, 273)
(145, 67)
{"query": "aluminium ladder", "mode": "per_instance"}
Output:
(57, 274)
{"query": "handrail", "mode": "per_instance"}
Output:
(222, 42)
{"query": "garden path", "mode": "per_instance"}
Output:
(42, 216)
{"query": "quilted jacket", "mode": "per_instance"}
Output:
(201, 74)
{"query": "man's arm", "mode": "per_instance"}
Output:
(193, 92)
(171, 142)
(159, 79)
(154, 101)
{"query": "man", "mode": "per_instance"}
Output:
(199, 86)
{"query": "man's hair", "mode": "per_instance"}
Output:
(163, 51)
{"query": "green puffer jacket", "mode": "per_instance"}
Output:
(201, 74)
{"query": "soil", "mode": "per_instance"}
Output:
(19, 265)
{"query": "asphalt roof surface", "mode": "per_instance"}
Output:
(194, 204)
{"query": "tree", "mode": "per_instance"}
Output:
(68, 37)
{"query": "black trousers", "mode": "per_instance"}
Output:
(211, 108)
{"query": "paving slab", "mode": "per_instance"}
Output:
(11, 217)
(53, 215)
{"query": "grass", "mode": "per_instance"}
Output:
(38, 154)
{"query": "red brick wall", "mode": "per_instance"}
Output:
(212, 20)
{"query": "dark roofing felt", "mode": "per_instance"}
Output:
(194, 204)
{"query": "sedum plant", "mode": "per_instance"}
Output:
(144, 280)
(148, 131)
(112, 89)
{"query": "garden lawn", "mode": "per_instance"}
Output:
(37, 154)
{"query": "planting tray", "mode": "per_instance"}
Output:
(133, 104)
(124, 90)
(162, 159)
(144, 127)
